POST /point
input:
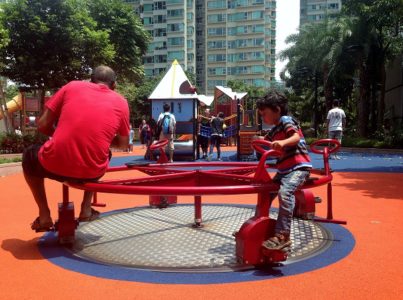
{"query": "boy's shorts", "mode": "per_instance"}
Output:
(32, 167)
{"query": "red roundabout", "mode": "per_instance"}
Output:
(167, 181)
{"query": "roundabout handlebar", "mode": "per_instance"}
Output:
(257, 145)
(327, 142)
(159, 145)
(261, 174)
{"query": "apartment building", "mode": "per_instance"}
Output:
(317, 10)
(218, 40)
(172, 25)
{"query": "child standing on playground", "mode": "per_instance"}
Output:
(293, 165)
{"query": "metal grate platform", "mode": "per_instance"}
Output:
(163, 239)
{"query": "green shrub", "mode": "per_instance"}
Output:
(14, 143)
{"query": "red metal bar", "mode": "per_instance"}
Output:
(198, 211)
(174, 190)
(95, 201)
(263, 204)
(329, 202)
(330, 221)
(65, 194)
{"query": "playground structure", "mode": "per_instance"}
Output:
(174, 180)
(22, 112)
(176, 90)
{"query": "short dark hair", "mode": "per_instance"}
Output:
(336, 102)
(274, 100)
(103, 74)
(167, 107)
(220, 114)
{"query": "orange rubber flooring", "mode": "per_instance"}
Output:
(372, 203)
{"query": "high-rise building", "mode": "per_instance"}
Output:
(171, 23)
(318, 10)
(218, 40)
(239, 43)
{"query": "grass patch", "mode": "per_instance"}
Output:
(10, 160)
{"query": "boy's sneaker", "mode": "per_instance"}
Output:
(277, 242)
(219, 159)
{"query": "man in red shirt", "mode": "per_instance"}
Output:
(90, 118)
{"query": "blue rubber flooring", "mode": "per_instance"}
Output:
(349, 161)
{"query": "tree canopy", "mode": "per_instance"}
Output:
(51, 42)
(346, 54)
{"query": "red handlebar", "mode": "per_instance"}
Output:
(327, 142)
(159, 145)
(257, 146)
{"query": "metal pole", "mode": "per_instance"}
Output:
(238, 137)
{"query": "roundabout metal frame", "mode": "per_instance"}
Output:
(231, 178)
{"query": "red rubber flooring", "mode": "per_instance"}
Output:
(372, 203)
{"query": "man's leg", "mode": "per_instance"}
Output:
(86, 205)
(218, 145)
(37, 186)
(34, 175)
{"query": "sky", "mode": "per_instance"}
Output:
(287, 23)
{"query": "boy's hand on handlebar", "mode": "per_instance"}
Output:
(277, 145)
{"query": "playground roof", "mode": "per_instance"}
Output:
(176, 85)
(220, 90)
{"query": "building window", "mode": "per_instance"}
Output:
(160, 5)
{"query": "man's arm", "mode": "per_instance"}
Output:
(46, 122)
(120, 142)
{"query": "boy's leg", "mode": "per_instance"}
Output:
(289, 184)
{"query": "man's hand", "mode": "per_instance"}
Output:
(46, 122)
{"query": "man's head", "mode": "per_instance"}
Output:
(220, 114)
(167, 107)
(336, 103)
(104, 75)
(272, 107)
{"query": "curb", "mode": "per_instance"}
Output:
(10, 169)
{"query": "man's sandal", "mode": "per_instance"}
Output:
(38, 227)
(93, 216)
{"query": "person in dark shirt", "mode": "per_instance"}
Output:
(217, 132)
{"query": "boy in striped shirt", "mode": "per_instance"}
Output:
(293, 165)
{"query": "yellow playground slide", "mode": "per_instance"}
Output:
(13, 105)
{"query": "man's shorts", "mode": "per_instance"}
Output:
(170, 138)
(337, 134)
(32, 167)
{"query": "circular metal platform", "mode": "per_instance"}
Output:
(164, 239)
